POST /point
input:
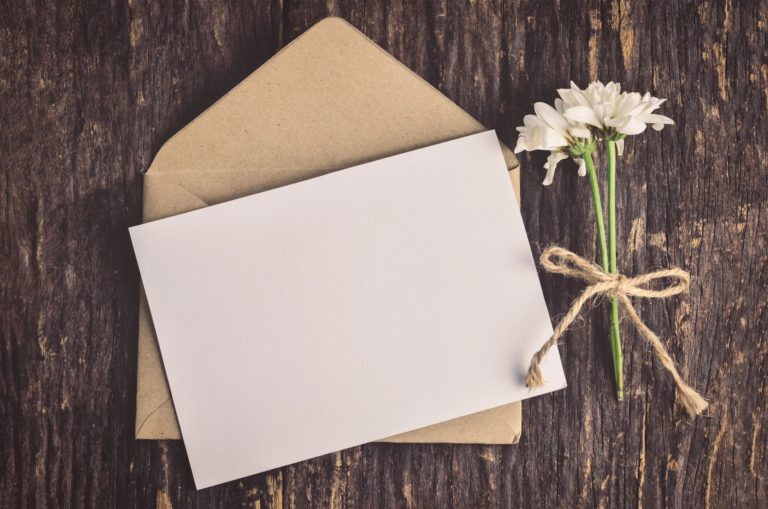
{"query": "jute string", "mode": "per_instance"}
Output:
(562, 261)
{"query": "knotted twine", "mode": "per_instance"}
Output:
(562, 261)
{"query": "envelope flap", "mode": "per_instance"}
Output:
(164, 196)
(360, 105)
(168, 194)
(172, 193)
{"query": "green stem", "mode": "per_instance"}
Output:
(604, 256)
(597, 202)
(615, 332)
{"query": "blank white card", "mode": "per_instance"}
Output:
(345, 309)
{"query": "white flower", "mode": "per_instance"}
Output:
(549, 130)
(612, 111)
(580, 118)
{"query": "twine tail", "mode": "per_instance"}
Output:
(693, 402)
(534, 378)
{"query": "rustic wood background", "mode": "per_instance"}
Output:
(90, 90)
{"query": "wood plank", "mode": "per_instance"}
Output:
(88, 93)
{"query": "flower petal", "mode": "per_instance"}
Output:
(628, 103)
(537, 135)
(580, 132)
(631, 126)
(522, 144)
(582, 166)
(657, 121)
(573, 96)
(551, 139)
(549, 177)
(532, 121)
(551, 117)
(583, 114)
(620, 147)
(554, 158)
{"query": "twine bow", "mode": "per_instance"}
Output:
(562, 261)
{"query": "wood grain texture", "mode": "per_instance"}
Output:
(90, 90)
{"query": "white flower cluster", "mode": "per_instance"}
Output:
(581, 118)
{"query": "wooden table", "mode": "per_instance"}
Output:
(88, 93)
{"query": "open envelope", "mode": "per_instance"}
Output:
(329, 100)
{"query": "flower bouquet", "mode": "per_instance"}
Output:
(579, 124)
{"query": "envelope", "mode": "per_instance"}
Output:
(329, 100)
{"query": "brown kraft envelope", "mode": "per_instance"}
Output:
(329, 100)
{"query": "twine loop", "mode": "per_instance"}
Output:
(559, 260)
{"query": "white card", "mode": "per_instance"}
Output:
(345, 309)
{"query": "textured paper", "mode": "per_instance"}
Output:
(387, 297)
(330, 99)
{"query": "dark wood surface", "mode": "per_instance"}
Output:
(90, 90)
